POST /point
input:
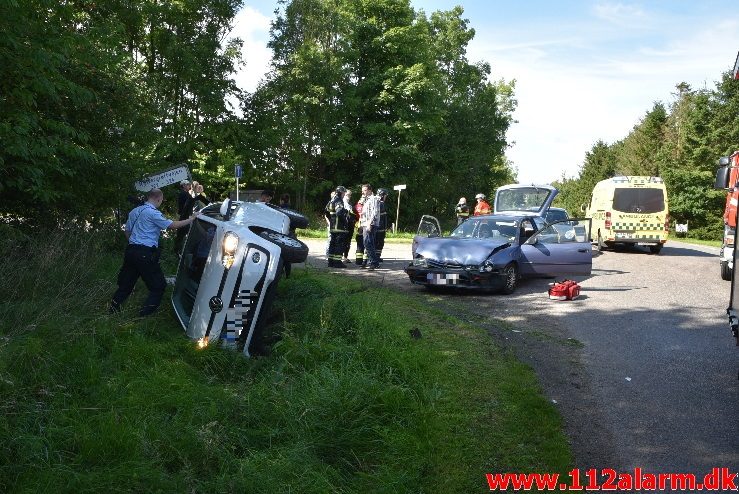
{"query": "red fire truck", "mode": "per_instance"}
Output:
(726, 178)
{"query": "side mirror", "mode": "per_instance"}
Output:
(225, 209)
(722, 178)
(582, 208)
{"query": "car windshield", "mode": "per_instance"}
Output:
(521, 199)
(487, 228)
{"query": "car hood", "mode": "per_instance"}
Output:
(464, 251)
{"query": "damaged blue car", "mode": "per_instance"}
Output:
(492, 252)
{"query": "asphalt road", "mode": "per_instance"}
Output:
(642, 367)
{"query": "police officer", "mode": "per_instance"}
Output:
(145, 224)
(462, 211)
(337, 216)
(382, 227)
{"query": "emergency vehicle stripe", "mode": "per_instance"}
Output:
(643, 226)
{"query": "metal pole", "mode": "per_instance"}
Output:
(237, 188)
(397, 213)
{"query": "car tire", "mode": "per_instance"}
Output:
(510, 279)
(293, 250)
(297, 220)
(655, 249)
(725, 271)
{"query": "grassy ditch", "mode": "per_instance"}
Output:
(350, 400)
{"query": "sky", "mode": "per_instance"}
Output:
(584, 70)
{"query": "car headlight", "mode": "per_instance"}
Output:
(420, 262)
(487, 266)
(230, 245)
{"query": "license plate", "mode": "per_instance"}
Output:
(623, 235)
(442, 279)
(645, 243)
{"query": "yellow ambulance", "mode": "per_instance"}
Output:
(629, 210)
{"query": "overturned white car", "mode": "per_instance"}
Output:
(233, 259)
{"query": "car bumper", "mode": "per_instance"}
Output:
(454, 277)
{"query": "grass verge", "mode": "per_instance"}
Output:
(348, 401)
(697, 241)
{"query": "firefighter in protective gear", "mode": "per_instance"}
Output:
(360, 259)
(482, 206)
(352, 220)
(382, 229)
(462, 211)
(337, 216)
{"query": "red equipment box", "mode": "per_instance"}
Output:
(564, 290)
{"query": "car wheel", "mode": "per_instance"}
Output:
(725, 271)
(293, 250)
(655, 249)
(297, 220)
(510, 279)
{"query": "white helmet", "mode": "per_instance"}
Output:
(480, 196)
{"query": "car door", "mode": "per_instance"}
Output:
(560, 249)
(427, 227)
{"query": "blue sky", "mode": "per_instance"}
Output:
(584, 70)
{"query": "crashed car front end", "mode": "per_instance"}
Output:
(460, 263)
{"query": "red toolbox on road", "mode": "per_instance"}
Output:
(564, 290)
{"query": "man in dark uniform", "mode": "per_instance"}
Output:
(145, 224)
(352, 221)
(338, 228)
(183, 198)
(382, 228)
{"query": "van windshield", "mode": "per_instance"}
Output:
(639, 200)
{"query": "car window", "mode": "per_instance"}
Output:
(555, 215)
(521, 199)
(564, 232)
(638, 200)
(465, 230)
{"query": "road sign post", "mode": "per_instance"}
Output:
(237, 172)
(397, 212)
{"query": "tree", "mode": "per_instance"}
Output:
(373, 91)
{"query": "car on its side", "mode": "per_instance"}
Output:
(231, 263)
(493, 251)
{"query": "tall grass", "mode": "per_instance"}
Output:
(348, 401)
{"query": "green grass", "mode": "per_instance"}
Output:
(689, 240)
(347, 402)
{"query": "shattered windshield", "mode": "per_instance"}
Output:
(521, 199)
(487, 228)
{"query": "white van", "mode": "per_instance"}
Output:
(629, 210)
